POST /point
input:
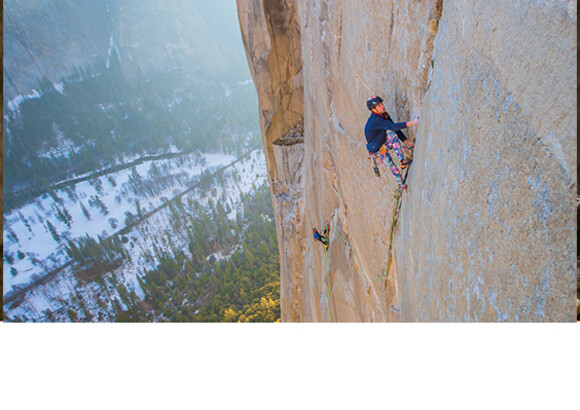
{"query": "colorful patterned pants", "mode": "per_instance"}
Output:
(392, 143)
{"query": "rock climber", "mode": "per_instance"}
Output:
(383, 134)
(320, 237)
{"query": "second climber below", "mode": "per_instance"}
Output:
(382, 135)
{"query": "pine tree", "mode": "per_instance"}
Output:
(138, 208)
(86, 212)
(113, 222)
(12, 236)
(8, 257)
(135, 180)
(70, 191)
(53, 231)
(111, 181)
(99, 186)
(96, 202)
(25, 221)
(64, 216)
(68, 216)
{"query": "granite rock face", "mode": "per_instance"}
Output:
(271, 35)
(496, 161)
(486, 230)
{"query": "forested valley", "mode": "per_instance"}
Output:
(194, 287)
(209, 254)
(135, 185)
(95, 121)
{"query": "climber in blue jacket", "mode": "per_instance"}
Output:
(383, 134)
(319, 237)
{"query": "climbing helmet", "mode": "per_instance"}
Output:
(373, 102)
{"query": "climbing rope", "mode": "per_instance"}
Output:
(398, 196)
(327, 282)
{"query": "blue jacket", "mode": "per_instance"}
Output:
(376, 127)
(319, 237)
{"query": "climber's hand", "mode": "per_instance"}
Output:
(414, 121)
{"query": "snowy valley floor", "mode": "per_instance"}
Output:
(35, 236)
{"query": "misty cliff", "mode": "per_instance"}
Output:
(88, 83)
(52, 39)
(486, 230)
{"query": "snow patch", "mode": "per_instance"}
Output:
(65, 296)
(112, 47)
(65, 147)
(59, 87)
(14, 104)
(26, 229)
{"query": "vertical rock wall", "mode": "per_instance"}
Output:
(496, 162)
(352, 50)
(271, 35)
(485, 231)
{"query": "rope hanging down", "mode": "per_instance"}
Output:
(398, 197)
(327, 283)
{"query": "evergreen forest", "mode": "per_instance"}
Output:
(131, 193)
(193, 287)
(101, 120)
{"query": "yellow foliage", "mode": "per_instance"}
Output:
(230, 315)
(267, 310)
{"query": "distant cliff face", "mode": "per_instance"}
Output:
(486, 230)
(50, 39)
(41, 42)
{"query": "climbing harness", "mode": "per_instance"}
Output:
(399, 171)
